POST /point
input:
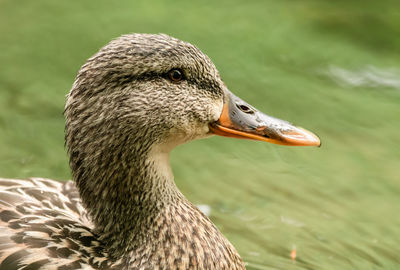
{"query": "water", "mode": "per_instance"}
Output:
(329, 66)
(369, 76)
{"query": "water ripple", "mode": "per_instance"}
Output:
(368, 76)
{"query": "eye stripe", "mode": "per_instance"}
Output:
(201, 84)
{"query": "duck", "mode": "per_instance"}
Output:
(131, 103)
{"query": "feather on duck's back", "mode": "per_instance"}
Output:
(43, 224)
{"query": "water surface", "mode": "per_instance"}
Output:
(329, 66)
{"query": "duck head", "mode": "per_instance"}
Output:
(144, 90)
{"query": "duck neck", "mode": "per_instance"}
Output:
(130, 200)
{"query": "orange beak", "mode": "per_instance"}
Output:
(240, 120)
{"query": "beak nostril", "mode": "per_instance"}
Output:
(245, 109)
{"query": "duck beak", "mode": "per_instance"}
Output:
(240, 120)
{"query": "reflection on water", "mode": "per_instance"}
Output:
(292, 222)
(369, 76)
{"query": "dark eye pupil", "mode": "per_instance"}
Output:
(175, 75)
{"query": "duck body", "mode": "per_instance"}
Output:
(44, 225)
(130, 105)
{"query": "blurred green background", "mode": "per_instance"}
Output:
(330, 66)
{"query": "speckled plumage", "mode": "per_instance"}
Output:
(123, 117)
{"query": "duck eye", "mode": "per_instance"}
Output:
(175, 75)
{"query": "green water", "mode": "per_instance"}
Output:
(329, 66)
